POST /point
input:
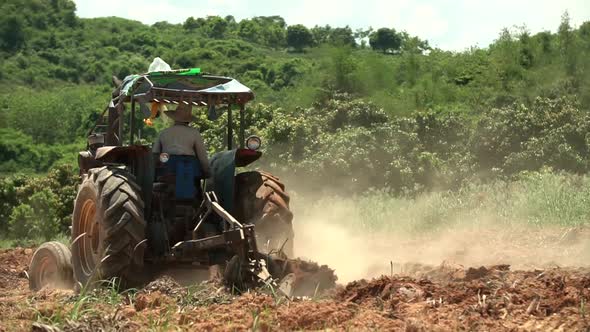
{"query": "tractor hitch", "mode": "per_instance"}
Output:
(247, 266)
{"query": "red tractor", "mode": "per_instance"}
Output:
(137, 211)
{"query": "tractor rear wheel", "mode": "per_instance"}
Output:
(51, 266)
(108, 227)
(261, 200)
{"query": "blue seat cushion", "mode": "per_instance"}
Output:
(186, 169)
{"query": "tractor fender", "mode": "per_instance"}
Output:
(86, 161)
(223, 168)
(113, 153)
(138, 160)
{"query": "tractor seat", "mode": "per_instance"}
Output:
(182, 174)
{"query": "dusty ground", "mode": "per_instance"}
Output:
(425, 298)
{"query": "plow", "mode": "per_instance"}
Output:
(137, 211)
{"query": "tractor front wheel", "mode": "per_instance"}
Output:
(108, 227)
(51, 266)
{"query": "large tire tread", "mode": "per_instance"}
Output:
(120, 213)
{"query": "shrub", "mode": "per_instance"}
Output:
(38, 206)
(20, 222)
(550, 132)
(38, 218)
(61, 182)
(8, 197)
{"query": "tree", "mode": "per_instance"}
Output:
(274, 36)
(299, 37)
(188, 59)
(567, 44)
(584, 33)
(526, 52)
(321, 34)
(385, 40)
(12, 33)
(506, 58)
(362, 35)
(69, 14)
(216, 27)
(544, 40)
(342, 36)
(230, 19)
(413, 44)
(270, 20)
(584, 30)
(191, 24)
(272, 30)
(249, 30)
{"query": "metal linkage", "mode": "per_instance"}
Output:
(211, 204)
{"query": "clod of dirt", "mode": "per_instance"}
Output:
(144, 301)
(38, 327)
(164, 284)
(482, 271)
(128, 312)
(311, 279)
(386, 288)
(476, 273)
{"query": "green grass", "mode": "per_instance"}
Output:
(532, 199)
(6, 243)
(34, 242)
(87, 304)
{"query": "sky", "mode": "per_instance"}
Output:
(448, 24)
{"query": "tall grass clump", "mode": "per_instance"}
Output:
(541, 199)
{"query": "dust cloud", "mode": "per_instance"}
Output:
(328, 235)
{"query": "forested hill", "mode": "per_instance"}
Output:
(377, 108)
(43, 41)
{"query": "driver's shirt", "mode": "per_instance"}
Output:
(181, 139)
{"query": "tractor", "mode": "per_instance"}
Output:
(137, 211)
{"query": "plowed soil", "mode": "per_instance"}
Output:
(424, 298)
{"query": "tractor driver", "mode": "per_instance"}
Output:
(180, 139)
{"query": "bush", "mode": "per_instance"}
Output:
(46, 222)
(8, 198)
(550, 132)
(20, 222)
(36, 219)
(61, 181)
(38, 206)
(356, 144)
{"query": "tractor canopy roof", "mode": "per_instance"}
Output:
(189, 86)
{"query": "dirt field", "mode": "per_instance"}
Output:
(423, 298)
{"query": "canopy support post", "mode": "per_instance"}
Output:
(120, 109)
(242, 126)
(132, 121)
(230, 129)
